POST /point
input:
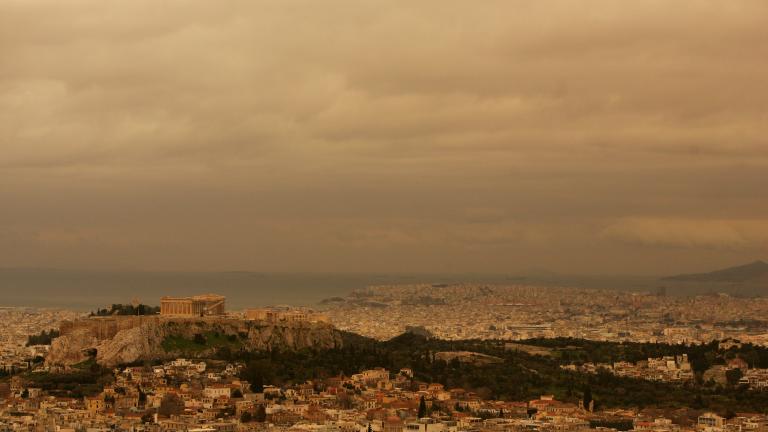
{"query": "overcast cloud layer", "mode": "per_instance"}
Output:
(493, 136)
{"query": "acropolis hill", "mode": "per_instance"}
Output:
(197, 333)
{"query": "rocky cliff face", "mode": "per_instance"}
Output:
(71, 349)
(153, 338)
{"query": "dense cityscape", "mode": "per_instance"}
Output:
(52, 382)
(524, 312)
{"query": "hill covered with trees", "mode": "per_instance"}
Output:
(521, 376)
(518, 376)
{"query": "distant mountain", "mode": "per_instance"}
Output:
(756, 272)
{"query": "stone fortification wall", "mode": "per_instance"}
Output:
(103, 328)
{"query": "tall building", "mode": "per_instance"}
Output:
(195, 306)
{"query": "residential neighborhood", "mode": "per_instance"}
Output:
(192, 396)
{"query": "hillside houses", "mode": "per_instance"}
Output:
(189, 396)
(675, 369)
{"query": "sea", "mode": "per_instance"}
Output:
(87, 290)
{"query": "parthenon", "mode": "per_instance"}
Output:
(200, 305)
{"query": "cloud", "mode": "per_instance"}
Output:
(690, 233)
(355, 135)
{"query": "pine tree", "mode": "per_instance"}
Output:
(422, 408)
(587, 397)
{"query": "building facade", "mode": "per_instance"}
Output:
(274, 315)
(195, 306)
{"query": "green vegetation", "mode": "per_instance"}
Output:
(618, 424)
(587, 397)
(261, 414)
(87, 380)
(733, 376)
(209, 341)
(520, 376)
(529, 349)
(181, 344)
(44, 338)
(702, 357)
(171, 404)
(121, 309)
(86, 365)
(422, 408)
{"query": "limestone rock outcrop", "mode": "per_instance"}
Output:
(72, 349)
(123, 340)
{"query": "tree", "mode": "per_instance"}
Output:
(121, 309)
(171, 404)
(345, 401)
(256, 373)
(587, 397)
(422, 408)
(224, 353)
(698, 402)
(237, 393)
(246, 417)
(44, 338)
(261, 414)
(733, 376)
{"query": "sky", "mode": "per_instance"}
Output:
(369, 136)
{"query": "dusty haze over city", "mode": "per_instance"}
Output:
(494, 136)
(393, 216)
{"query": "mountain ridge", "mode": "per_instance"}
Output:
(756, 271)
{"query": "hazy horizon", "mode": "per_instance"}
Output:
(521, 272)
(91, 289)
(597, 137)
(88, 290)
